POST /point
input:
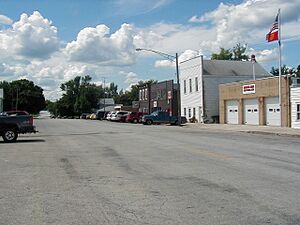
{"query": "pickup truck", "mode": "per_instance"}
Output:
(11, 125)
(159, 117)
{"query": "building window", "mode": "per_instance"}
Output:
(184, 86)
(140, 97)
(298, 111)
(190, 113)
(190, 82)
(146, 94)
(194, 112)
(184, 111)
(196, 84)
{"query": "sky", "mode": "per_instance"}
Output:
(53, 41)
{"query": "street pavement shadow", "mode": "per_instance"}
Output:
(24, 141)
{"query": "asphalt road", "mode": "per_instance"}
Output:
(97, 172)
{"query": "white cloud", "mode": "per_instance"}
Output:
(131, 78)
(186, 55)
(31, 36)
(248, 22)
(265, 55)
(94, 45)
(5, 20)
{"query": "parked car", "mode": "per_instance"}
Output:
(93, 116)
(135, 117)
(84, 115)
(124, 117)
(15, 113)
(101, 115)
(117, 115)
(159, 117)
(109, 115)
(12, 124)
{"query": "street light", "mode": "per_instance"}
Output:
(172, 59)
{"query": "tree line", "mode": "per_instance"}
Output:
(82, 96)
(22, 95)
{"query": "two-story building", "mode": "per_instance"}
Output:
(161, 96)
(199, 84)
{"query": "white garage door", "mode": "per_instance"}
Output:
(272, 111)
(251, 111)
(232, 115)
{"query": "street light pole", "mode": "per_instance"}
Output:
(172, 59)
(178, 91)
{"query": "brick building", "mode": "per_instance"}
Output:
(161, 96)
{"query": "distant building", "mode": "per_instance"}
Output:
(106, 104)
(161, 96)
(199, 84)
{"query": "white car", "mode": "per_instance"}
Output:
(109, 115)
(117, 116)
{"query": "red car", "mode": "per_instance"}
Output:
(135, 117)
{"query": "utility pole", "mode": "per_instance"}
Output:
(172, 59)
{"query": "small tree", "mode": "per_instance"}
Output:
(224, 54)
(237, 53)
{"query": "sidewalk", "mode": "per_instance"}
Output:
(282, 131)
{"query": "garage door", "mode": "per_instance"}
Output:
(251, 111)
(272, 111)
(232, 115)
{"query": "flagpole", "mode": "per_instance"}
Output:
(279, 69)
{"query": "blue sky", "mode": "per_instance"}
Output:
(51, 41)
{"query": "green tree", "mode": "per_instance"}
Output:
(284, 70)
(80, 95)
(237, 53)
(23, 95)
(224, 54)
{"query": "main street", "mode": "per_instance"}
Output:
(99, 172)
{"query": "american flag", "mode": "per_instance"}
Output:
(273, 34)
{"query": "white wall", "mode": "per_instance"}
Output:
(295, 98)
(189, 100)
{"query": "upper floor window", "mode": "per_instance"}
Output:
(196, 84)
(190, 83)
(146, 94)
(140, 94)
(184, 86)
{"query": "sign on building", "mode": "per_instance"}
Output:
(249, 89)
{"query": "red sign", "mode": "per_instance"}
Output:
(249, 89)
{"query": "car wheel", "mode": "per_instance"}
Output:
(10, 135)
(135, 121)
(149, 122)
